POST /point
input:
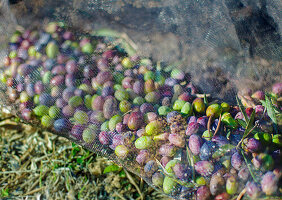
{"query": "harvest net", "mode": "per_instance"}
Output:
(64, 69)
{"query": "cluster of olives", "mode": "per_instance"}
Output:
(150, 120)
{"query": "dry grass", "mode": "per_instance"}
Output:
(36, 164)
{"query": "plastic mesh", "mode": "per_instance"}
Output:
(95, 86)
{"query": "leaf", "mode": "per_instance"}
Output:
(242, 109)
(205, 100)
(112, 168)
(79, 160)
(242, 123)
(270, 109)
(222, 150)
(250, 125)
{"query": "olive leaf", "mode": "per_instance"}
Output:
(242, 109)
(249, 128)
(206, 100)
(242, 123)
(223, 150)
(270, 111)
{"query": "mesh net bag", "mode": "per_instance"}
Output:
(151, 85)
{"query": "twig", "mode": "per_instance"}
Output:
(209, 124)
(241, 194)
(133, 183)
(218, 125)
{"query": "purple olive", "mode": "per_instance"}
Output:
(167, 150)
(57, 80)
(138, 87)
(195, 143)
(179, 171)
(244, 173)
(237, 161)
(177, 140)
(109, 107)
(46, 99)
(277, 89)
(72, 67)
(217, 184)
(59, 70)
(104, 137)
(269, 183)
(117, 140)
(68, 111)
(192, 128)
(62, 125)
(253, 190)
(146, 107)
(253, 145)
(220, 140)
(135, 120)
(151, 167)
(142, 157)
(68, 93)
(204, 168)
(39, 87)
(203, 193)
(60, 103)
(104, 76)
(77, 131)
(98, 103)
(203, 121)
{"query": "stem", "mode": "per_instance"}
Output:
(246, 161)
(209, 124)
(241, 194)
(191, 161)
(246, 135)
(218, 125)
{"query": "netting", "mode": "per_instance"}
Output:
(151, 85)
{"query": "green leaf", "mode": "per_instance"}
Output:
(122, 174)
(222, 150)
(205, 100)
(112, 168)
(5, 192)
(79, 160)
(250, 125)
(270, 109)
(242, 109)
(242, 123)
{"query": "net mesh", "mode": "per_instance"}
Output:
(118, 78)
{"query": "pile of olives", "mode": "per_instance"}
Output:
(150, 120)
